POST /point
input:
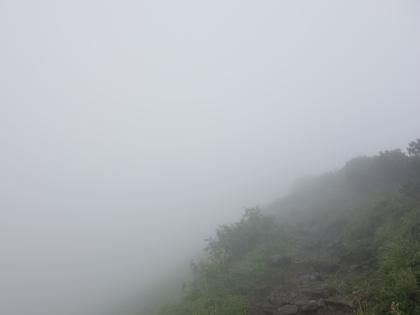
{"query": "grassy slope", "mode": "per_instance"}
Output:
(367, 207)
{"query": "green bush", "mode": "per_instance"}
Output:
(233, 241)
(234, 269)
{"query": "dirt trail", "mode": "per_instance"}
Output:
(305, 288)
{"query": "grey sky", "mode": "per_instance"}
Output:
(130, 129)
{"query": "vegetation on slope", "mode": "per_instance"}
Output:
(364, 218)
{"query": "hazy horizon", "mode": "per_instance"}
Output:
(130, 130)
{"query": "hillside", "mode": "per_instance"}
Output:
(343, 242)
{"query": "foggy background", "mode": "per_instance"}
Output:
(130, 129)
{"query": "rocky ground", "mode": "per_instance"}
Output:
(306, 286)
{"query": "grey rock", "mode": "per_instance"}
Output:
(340, 301)
(289, 309)
(309, 277)
(283, 298)
(307, 305)
(286, 294)
(268, 309)
(321, 302)
(320, 292)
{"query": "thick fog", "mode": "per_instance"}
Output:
(130, 129)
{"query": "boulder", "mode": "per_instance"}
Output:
(288, 310)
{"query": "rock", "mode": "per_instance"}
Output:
(288, 293)
(301, 303)
(340, 301)
(289, 309)
(319, 292)
(278, 260)
(282, 298)
(321, 302)
(268, 309)
(307, 305)
(309, 277)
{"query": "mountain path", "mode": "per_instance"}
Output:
(306, 290)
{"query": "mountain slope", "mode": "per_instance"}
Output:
(343, 242)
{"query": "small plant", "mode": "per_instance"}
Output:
(395, 309)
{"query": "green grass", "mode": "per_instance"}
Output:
(396, 246)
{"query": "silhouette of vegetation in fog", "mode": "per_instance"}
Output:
(414, 148)
(233, 241)
(367, 172)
